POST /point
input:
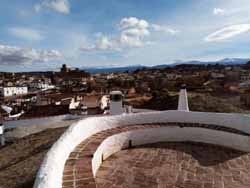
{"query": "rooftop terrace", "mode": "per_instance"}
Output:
(157, 149)
(175, 165)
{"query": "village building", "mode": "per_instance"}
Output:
(245, 76)
(13, 91)
(217, 75)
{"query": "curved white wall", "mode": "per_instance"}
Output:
(120, 141)
(51, 170)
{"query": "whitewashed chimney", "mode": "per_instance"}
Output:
(183, 99)
(116, 103)
(2, 139)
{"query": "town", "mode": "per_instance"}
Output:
(124, 94)
(37, 107)
(74, 91)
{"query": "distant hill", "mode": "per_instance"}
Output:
(226, 61)
(114, 69)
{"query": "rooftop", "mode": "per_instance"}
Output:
(188, 164)
(176, 165)
(176, 149)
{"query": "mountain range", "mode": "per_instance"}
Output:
(226, 61)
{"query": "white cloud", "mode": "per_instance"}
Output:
(61, 6)
(134, 37)
(130, 41)
(26, 33)
(228, 32)
(103, 43)
(133, 32)
(126, 23)
(11, 55)
(38, 7)
(165, 29)
(219, 11)
(136, 32)
(126, 39)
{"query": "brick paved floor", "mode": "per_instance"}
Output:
(176, 165)
(78, 169)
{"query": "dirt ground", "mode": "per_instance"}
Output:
(20, 161)
(22, 131)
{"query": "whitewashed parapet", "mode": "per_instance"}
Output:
(120, 141)
(51, 170)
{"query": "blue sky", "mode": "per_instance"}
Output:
(43, 34)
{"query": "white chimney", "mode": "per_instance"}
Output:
(116, 103)
(2, 140)
(183, 99)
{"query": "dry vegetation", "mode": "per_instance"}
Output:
(20, 160)
(209, 103)
(204, 102)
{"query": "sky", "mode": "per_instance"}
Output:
(40, 35)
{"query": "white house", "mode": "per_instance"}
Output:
(173, 76)
(13, 91)
(105, 102)
(41, 86)
(216, 75)
(245, 76)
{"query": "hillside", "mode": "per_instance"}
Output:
(203, 102)
(20, 161)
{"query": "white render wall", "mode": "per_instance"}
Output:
(11, 91)
(51, 170)
(120, 141)
(183, 101)
(1, 129)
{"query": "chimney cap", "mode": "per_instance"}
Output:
(116, 93)
(183, 86)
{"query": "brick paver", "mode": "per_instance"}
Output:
(78, 169)
(176, 165)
